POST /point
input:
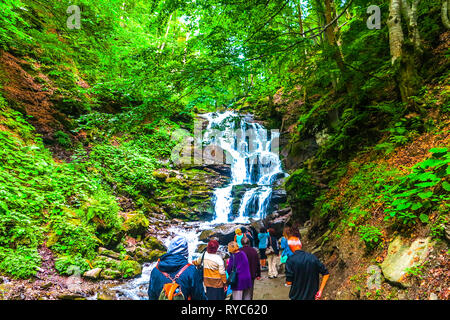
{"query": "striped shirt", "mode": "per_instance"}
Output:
(214, 275)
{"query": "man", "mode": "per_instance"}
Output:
(302, 274)
(214, 276)
(174, 265)
(254, 265)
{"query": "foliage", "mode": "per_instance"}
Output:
(21, 262)
(414, 195)
(370, 235)
(71, 265)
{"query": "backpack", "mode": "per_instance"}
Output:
(172, 290)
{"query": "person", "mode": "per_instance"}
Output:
(254, 265)
(272, 253)
(263, 236)
(302, 274)
(214, 276)
(249, 236)
(238, 237)
(294, 241)
(286, 253)
(238, 261)
(174, 265)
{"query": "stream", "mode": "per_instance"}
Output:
(252, 153)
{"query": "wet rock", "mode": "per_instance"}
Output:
(402, 255)
(93, 274)
(279, 196)
(154, 244)
(224, 233)
(201, 248)
(108, 253)
(277, 221)
(71, 296)
(110, 274)
(106, 295)
(142, 254)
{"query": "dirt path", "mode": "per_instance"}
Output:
(271, 289)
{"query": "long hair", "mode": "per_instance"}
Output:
(272, 232)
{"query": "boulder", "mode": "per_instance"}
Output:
(201, 248)
(403, 255)
(142, 254)
(106, 295)
(108, 253)
(135, 223)
(93, 274)
(279, 196)
(224, 233)
(110, 274)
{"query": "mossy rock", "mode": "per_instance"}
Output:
(142, 254)
(135, 224)
(154, 244)
(110, 274)
(52, 239)
(160, 175)
(130, 268)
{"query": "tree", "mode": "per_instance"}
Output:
(445, 12)
(405, 52)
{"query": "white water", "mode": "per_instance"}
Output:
(250, 154)
(254, 162)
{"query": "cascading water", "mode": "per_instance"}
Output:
(253, 160)
(255, 165)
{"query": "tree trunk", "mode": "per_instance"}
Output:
(404, 53)
(410, 14)
(330, 32)
(300, 20)
(444, 13)
(165, 36)
(394, 23)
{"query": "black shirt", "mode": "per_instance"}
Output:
(303, 269)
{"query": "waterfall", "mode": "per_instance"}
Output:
(248, 149)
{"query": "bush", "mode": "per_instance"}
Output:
(71, 265)
(19, 263)
(412, 196)
(371, 236)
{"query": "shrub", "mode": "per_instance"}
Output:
(19, 263)
(371, 236)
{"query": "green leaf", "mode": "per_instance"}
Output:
(425, 195)
(416, 206)
(446, 185)
(424, 218)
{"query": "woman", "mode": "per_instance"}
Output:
(286, 253)
(294, 241)
(238, 261)
(272, 253)
(238, 237)
(263, 236)
(214, 276)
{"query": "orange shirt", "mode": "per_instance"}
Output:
(294, 244)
